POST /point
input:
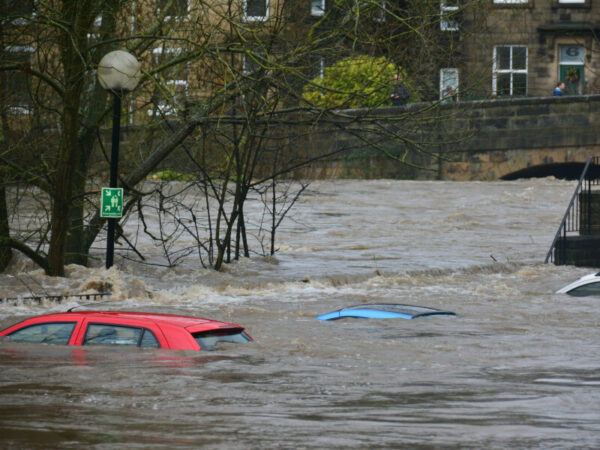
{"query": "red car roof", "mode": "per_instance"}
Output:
(172, 319)
(172, 331)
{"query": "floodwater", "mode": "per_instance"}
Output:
(518, 368)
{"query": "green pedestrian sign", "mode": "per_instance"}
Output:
(111, 204)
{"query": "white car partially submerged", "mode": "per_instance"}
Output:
(582, 287)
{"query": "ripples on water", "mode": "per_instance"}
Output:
(517, 369)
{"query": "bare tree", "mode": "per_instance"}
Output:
(221, 98)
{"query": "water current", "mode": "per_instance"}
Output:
(518, 368)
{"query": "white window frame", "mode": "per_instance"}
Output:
(165, 108)
(381, 12)
(182, 18)
(511, 71)
(511, 2)
(245, 63)
(445, 24)
(317, 8)
(22, 21)
(446, 75)
(20, 49)
(248, 18)
(570, 61)
(572, 2)
(97, 24)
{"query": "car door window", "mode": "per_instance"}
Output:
(45, 333)
(106, 334)
(149, 340)
(586, 289)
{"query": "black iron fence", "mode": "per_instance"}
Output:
(578, 216)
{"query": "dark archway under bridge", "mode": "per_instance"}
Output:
(563, 171)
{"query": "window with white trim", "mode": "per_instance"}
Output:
(510, 2)
(18, 11)
(317, 7)
(315, 67)
(256, 10)
(380, 11)
(249, 65)
(173, 9)
(576, 2)
(448, 12)
(510, 70)
(94, 36)
(17, 82)
(448, 84)
(172, 90)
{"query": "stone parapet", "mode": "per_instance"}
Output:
(471, 140)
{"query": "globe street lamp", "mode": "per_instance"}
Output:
(118, 72)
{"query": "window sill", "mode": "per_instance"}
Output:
(256, 19)
(525, 5)
(562, 6)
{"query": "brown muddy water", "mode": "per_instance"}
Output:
(518, 368)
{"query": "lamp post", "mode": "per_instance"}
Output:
(118, 72)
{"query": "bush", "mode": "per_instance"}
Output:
(354, 82)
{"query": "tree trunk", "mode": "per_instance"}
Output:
(77, 249)
(94, 110)
(75, 252)
(74, 70)
(5, 250)
(62, 199)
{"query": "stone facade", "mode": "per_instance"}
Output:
(559, 37)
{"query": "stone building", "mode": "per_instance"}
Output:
(494, 48)
(515, 48)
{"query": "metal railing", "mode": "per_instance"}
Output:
(54, 298)
(571, 222)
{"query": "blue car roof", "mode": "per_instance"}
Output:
(384, 311)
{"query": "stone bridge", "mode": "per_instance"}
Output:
(523, 138)
(477, 140)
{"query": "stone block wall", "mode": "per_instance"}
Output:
(589, 214)
(513, 135)
(582, 251)
(476, 140)
(492, 139)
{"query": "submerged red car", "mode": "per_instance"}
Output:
(126, 328)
